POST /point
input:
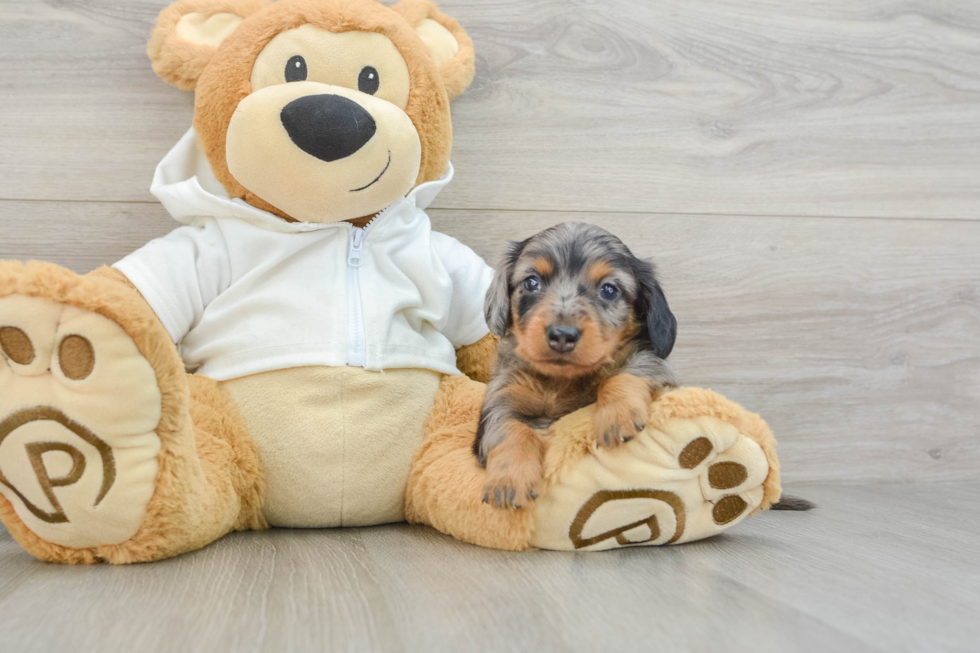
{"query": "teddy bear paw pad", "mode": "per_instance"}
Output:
(79, 406)
(685, 480)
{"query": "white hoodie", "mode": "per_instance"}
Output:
(242, 291)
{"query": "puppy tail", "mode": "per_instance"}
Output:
(789, 502)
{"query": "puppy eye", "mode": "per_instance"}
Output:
(296, 69)
(368, 81)
(608, 291)
(532, 284)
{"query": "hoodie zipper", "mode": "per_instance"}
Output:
(356, 337)
(355, 310)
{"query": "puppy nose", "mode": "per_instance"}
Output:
(563, 338)
(329, 127)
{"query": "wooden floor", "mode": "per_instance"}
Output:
(875, 568)
(806, 175)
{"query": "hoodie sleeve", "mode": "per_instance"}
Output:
(471, 278)
(181, 273)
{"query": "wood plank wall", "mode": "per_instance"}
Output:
(807, 176)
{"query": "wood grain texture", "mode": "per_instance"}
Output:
(79, 235)
(858, 340)
(678, 125)
(717, 106)
(884, 568)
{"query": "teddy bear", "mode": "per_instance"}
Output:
(304, 350)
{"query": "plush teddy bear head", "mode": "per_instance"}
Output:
(317, 110)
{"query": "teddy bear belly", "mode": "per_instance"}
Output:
(336, 443)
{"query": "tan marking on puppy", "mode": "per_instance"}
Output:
(543, 266)
(599, 271)
(597, 347)
(528, 396)
(621, 409)
(611, 346)
(594, 347)
(514, 468)
(592, 352)
(532, 345)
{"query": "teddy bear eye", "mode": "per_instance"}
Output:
(368, 81)
(296, 69)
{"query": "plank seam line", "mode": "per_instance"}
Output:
(704, 214)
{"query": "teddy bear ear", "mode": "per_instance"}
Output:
(448, 43)
(188, 34)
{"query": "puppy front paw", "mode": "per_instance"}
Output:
(621, 410)
(616, 424)
(509, 492)
(513, 469)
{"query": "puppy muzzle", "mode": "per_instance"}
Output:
(563, 338)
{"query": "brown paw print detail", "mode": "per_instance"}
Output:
(726, 475)
(16, 346)
(36, 451)
(695, 453)
(722, 475)
(76, 358)
(602, 513)
(728, 508)
(78, 444)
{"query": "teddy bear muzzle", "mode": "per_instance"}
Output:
(322, 152)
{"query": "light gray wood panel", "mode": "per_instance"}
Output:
(858, 340)
(717, 106)
(881, 568)
(79, 235)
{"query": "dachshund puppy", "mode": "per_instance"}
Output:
(581, 321)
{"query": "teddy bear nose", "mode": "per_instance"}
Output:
(329, 127)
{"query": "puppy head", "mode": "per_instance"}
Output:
(573, 295)
(317, 110)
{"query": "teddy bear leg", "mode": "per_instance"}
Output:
(445, 487)
(701, 465)
(108, 450)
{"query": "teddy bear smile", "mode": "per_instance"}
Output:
(354, 190)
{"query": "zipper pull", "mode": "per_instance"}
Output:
(356, 240)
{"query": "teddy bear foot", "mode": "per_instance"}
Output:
(79, 406)
(693, 472)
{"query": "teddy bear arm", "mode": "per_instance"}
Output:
(112, 274)
(476, 360)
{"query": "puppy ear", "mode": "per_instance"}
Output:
(496, 307)
(447, 42)
(188, 34)
(659, 326)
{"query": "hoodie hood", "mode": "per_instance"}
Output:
(185, 185)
